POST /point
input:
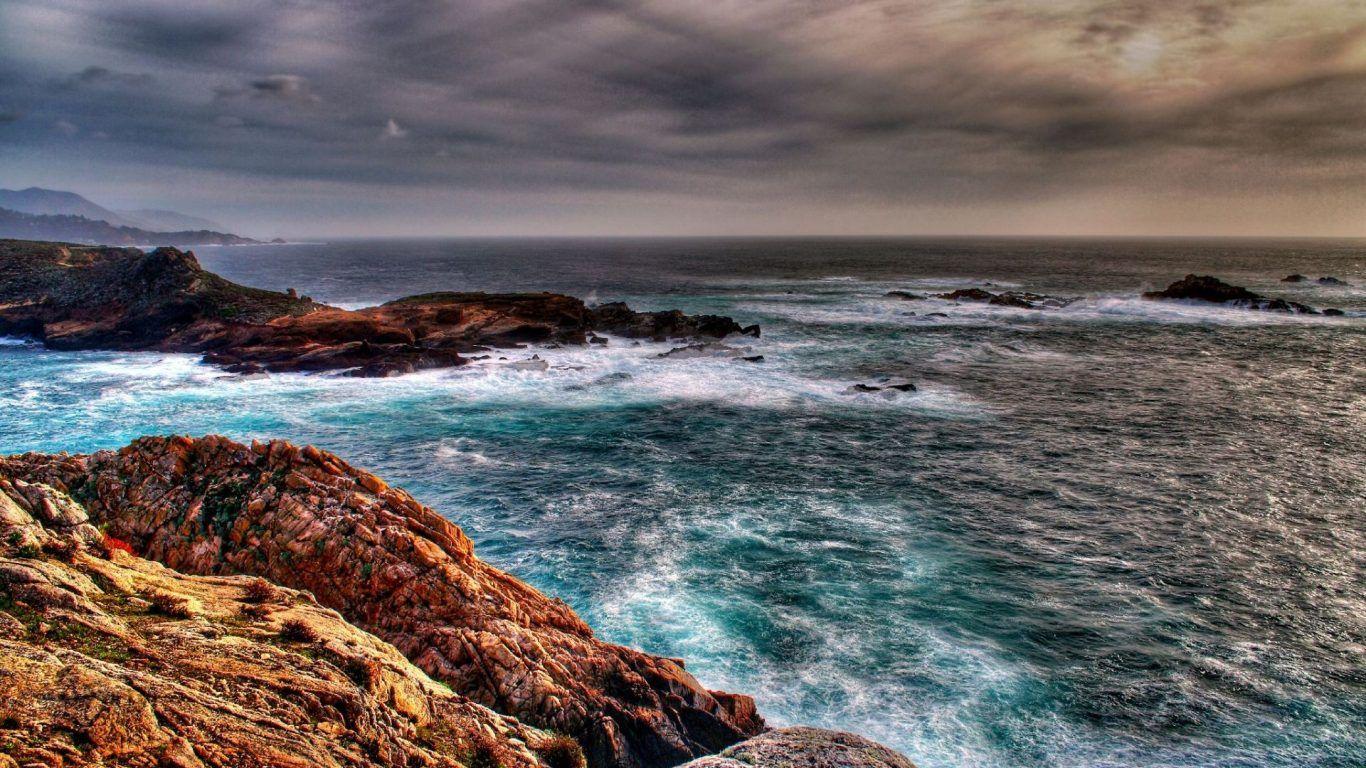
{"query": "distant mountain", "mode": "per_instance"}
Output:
(53, 202)
(80, 229)
(56, 202)
(168, 221)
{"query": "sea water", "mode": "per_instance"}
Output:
(1121, 533)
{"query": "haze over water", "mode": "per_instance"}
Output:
(1122, 533)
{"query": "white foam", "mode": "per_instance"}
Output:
(1137, 309)
(184, 394)
(877, 310)
(459, 451)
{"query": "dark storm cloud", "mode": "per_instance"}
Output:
(100, 76)
(279, 87)
(176, 30)
(969, 101)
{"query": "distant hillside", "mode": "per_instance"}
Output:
(52, 202)
(80, 229)
(56, 202)
(168, 221)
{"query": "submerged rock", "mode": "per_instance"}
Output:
(606, 380)
(1214, 290)
(1331, 281)
(805, 748)
(705, 349)
(534, 364)
(888, 387)
(904, 296)
(1295, 278)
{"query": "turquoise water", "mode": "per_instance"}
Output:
(1118, 534)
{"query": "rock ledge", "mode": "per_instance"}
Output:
(805, 748)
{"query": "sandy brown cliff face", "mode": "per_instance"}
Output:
(85, 297)
(107, 659)
(305, 519)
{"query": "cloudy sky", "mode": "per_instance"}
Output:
(673, 116)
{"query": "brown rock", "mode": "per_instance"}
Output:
(98, 680)
(305, 519)
(79, 297)
(805, 748)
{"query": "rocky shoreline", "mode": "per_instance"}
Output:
(87, 297)
(1215, 291)
(198, 602)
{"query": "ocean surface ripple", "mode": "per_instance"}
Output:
(1121, 533)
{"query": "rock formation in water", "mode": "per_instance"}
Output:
(306, 520)
(804, 748)
(75, 297)
(1214, 290)
(887, 385)
(1019, 299)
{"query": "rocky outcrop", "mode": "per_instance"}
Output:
(1295, 278)
(108, 659)
(75, 297)
(1214, 290)
(709, 349)
(619, 319)
(305, 519)
(888, 387)
(805, 748)
(1019, 299)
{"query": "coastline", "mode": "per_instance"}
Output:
(81, 297)
(303, 519)
(503, 452)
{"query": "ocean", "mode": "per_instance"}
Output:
(1119, 533)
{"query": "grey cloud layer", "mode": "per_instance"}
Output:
(889, 102)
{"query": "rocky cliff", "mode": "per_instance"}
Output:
(302, 518)
(108, 659)
(79, 297)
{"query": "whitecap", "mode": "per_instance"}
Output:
(459, 451)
